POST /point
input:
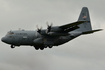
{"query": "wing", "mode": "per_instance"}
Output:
(61, 30)
(71, 26)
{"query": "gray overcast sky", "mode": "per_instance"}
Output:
(83, 53)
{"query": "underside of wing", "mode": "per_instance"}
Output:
(71, 26)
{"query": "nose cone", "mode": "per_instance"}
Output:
(3, 39)
(6, 40)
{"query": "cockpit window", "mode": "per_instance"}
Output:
(10, 33)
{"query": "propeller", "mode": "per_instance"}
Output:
(49, 27)
(39, 30)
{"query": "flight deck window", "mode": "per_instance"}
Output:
(10, 33)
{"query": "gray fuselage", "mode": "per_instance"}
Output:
(23, 37)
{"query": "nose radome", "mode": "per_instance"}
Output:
(6, 40)
(3, 39)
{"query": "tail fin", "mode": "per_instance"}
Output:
(84, 16)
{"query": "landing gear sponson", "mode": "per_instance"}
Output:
(42, 47)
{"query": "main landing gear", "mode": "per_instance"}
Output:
(50, 46)
(37, 48)
(42, 47)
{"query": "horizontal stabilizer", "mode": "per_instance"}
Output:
(89, 32)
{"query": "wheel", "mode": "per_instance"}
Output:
(41, 48)
(45, 46)
(36, 47)
(50, 46)
(12, 46)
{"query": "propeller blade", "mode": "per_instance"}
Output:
(37, 27)
(39, 30)
(47, 23)
(49, 27)
(51, 24)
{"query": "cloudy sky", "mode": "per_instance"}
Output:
(83, 53)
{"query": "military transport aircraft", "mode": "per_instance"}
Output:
(53, 35)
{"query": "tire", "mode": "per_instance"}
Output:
(50, 46)
(12, 46)
(45, 46)
(41, 48)
(36, 48)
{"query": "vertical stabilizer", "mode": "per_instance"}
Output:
(84, 16)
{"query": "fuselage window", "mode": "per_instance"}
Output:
(10, 36)
(21, 34)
